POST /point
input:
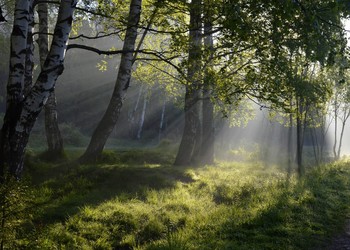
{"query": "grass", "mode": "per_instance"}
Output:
(137, 200)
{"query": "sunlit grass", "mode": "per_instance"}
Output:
(149, 205)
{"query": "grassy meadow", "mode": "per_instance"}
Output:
(135, 199)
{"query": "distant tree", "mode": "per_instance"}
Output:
(340, 102)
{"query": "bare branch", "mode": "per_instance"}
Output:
(95, 37)
(163, 71)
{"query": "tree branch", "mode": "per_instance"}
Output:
(95, 37)
(90, 11)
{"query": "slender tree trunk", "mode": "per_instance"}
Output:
(197, 149)
(132, 115)
(314, 145)
(29, 109)
(142, 118)
(340, 140)
(304, 125)
(29, 65)
(317, 142)
(43, 38)
(192, 120)
(344, 119)
(53, 134)
(108, 121)
(207, 151)
(324, 130)
(299, 151)
(299, 139)
(161, 123)
(335, 127)
(290, 144)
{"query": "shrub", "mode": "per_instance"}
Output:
(71, 135)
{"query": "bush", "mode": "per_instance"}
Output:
(71, 135)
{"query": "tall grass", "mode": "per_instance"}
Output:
(143, 204)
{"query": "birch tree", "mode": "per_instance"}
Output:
(23, 110)
(52, 131)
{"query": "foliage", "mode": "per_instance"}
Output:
(71, 135)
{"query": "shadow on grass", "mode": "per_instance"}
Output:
(64, 187)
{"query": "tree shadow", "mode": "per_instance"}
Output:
(64, 188)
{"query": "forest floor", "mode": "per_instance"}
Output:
(136, 199)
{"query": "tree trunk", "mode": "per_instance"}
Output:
(29, 109)
(325, 127)
(108, 121)
(15, 80)
(161, 123)
(132, 114)
(315, 146)
(142, 118)
(290, 144)
(335, 127)
(29, 64)
(344, 119)
(207, 151)
(299, 139)
(192, 120)
(53, 134)
(197, 149)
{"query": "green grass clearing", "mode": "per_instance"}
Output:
(124, 203)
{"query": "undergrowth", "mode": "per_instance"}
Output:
(150, 205)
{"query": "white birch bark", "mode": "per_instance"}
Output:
(53, 134)
(18, 52)
(15, 80)
(43, 38)
(29, 66)
(35, 100)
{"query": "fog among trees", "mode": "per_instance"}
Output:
(173, 84)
